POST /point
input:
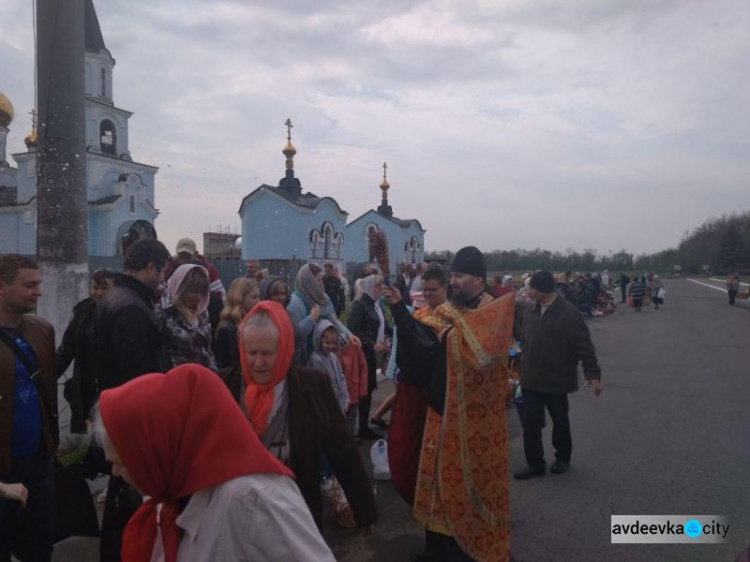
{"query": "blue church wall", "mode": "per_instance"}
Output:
(275, 229)
(357, 246)
(18, 236)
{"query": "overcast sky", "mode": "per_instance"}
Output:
(603, 124)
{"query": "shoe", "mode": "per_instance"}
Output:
(528, 472)
(380, 423)
(368, 433)
(559, 467)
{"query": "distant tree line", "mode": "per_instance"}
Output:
(722, 244)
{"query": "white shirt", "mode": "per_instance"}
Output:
(250, 518)
(544, 307)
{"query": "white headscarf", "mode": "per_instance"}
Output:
(177, 280)
(368, 285)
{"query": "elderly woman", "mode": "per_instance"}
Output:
(183, 318)
(295, 414)
(242, 296)
(367, 322)
(309, 303)
(654, 287)
(214, 492)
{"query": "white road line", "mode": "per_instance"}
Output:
(724, 281)
(723, 290)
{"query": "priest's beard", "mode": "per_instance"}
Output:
(461, 297)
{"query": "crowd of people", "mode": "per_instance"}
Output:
(240, 411)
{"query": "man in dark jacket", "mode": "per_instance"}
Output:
(555, 339)
(28, 413)
(127, 345)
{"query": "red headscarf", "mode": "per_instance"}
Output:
(176, 434)
(259, 397)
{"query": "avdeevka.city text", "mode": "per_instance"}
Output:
(667, 528)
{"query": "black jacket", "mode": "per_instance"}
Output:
(126, 334)
(363, 322)
(316, 428)
(80, 388)
(335, 291)
(553, 345)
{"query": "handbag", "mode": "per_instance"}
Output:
(76, 512)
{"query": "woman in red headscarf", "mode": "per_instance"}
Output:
(182, 442)
(295, 413)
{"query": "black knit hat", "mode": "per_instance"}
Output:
(469, 260)
(543, 281)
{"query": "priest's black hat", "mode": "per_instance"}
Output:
(469, 260)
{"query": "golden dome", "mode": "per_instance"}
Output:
(31, 139)
(6, 111)
(384, 185)
(289, 149)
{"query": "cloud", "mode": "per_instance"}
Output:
(588, 123)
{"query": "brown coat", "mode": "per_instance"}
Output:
(40, 336)
(317, 427)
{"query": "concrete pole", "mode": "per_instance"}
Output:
(62, 222)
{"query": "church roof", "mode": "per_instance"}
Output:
(105, 200)
(304, 200)
(94, 41)
(403, 223)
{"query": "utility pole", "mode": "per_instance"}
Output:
(62, 220)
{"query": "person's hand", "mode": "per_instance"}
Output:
(380, 347)
(14, 492)
(354, 340)
(346, 408)
(315, 312)
(596, 384)
(392, 295)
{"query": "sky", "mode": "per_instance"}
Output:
(602, 124)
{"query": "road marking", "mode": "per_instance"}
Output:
(724, 281)
(707, 285)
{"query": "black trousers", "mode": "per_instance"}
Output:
(732, 296)
(557, 405)
(29, 532)
(121, 503)
(441, 548)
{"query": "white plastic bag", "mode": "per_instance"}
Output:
(379, 457)
(661, 293)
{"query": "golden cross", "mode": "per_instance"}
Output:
(288, 129)
(33, 117)
(385, 167)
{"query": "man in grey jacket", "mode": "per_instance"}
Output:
(555, 339)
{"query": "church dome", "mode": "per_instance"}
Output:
(6, 111)
(289, 149)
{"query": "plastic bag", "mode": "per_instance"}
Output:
(379, 457)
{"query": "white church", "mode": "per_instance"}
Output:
(120, 191)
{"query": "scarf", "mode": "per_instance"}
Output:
(177, 434)
(259, 397)
(368, 288)
(175, 288)
(308, 287)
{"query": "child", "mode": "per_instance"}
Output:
(325, 342)
(354, 364)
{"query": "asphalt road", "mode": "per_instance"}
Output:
(669, 436)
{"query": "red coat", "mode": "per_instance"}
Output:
(354, 365)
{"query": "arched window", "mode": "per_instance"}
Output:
(107, 137)
(132, 204)
(104, 83)
(328, 234)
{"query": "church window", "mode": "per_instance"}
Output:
(108, 137)
(132, 204)
(104, 83)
